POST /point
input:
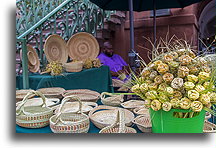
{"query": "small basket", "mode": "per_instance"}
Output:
(119, 125)
(113, 100)
(141, 111)
(83, 94)
(209, 127)
(143, 123)
(70, 122)
(33, 116)
(74, 107)
(73, 66)
(131, 104)
(103, 116)
(52, 92)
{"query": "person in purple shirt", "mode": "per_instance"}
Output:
(115, 62)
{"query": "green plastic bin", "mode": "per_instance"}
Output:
(165, 122)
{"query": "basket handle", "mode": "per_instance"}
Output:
(113, 97)
(68, 98)
(119, 119)
(20, 106)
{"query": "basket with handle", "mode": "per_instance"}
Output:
(33, 116)
(70, 122)
(103, 116)
(119, 125)
(112, 100)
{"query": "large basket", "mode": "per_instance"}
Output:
(103, 116)
(112, 100)
(33, 116)
(70, 122)
(119, 125)
(143, 123)
(209, 127)
(52, 92)
(83, 94)
(73, 66)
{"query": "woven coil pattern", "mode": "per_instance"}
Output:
(112, 100)
(143, 123)
(82, 46)
(33, 116)
(71, 122)
(119, 125)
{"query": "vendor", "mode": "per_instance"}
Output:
(115, 62)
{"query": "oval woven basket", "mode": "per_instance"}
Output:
(50, 102)
(52, 92)
(33, 116)
(141, 111)
(20, 94)
(119, 125)
(131, 104)
(73, 66)
(143, 123)
(103, 116)
(83, 94)
(112, 100)
(70, 122)
(209, 127)
(74, 107)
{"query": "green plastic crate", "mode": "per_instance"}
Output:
(165, 122)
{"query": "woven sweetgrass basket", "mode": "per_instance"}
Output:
(209, 127)
(143, 123)
(73, 66)
(52, 92)
(119, 125)
(70, 122)
(103, 116)
(141, 111)
(33, 116)
(111, 100)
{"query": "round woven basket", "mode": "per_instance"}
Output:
(141, 111)
(143, 123)
(82, 46)
(103, 116)
(33, 59)
(73, 66)
(83, 94)
(119, 125)
(55, 49)
(112, 100)
(52, 92)
(70, 122)
(74, 107)
(33, 116)
(131, 104)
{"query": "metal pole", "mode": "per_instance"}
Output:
(154, 22)
(25, 65)
(131, 24)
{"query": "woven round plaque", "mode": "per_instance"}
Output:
(82, 46)
(33, 59)
(55, 49)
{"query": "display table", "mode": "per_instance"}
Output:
(97, 79)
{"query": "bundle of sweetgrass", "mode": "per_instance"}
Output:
(54, 68)
(176, 78)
